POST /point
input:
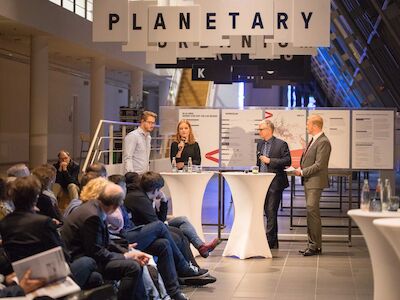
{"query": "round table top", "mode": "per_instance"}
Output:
(390, 223)
(233, 173)
(373, 214)
(187, 173)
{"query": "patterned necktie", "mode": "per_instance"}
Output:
(265, 151)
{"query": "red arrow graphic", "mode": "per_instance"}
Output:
(210, 154)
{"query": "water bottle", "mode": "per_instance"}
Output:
(365, 196)
(190, 165)
(376, 203)
(386, 193)
(174, 168)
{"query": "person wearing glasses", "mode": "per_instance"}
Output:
(273, 156)
(185, 146)
(137, 143)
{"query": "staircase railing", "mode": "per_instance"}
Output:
(104, 141)
(174, 87)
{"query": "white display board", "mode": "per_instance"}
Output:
(239, 136)
(337, 129)
(372, 139)
(205, 125)
(290, 126)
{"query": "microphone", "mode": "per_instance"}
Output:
(258, 154)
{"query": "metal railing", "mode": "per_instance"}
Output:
(174, 87)
(105, 144)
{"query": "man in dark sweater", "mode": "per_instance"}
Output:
(67, 175)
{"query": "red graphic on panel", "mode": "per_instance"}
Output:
(210, 154)
(267, 115)
(296, 156)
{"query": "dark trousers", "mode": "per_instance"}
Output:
(155, 239)
(183, 244)
(129, 272)
(84, 273)
(271, 205)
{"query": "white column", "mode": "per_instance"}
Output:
(136, 90)
(97, 93)
(39, 101)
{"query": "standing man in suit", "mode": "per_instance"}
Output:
(273, 156)
(314, 170)
(85, 232)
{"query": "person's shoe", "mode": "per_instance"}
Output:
(205, 249)
(311, 252)
(198, 281)
(179, 296)
(192, 272)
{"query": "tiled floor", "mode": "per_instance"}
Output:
(341, 272)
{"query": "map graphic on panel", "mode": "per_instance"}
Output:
(290, 126)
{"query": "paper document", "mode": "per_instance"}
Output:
(49, 265)
(290, 169)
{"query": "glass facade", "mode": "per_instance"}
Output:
(83, 8)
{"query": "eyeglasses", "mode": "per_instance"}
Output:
(260, 129)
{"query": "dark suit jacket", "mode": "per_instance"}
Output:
(141, 207)
(85, 234)
(26, 233)
(280, 158)
(66, 177)
(314, 164)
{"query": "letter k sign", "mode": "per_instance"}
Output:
(200, 73)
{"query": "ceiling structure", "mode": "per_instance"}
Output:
(362, 66)
(360, 69)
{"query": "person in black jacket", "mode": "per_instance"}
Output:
(85, 232)
(185, 146)
(273, 156)
(25, 233)
(47, 201)
(67, 175)
(140, 203)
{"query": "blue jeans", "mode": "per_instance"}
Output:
(84, 273)
(155, 239)
(187, 228)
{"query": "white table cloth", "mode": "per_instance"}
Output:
(187, 191)
(390, 229)
(385, 266)
(248, 237)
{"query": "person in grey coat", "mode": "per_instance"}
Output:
(314, 170)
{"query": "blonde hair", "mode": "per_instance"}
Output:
(93, 189)
(317, 121)
(178, 137)
(147, 114)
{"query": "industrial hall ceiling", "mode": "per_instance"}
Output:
(360, 69)
(362, 66)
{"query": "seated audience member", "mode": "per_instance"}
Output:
(10, 288)
(89, 191)
(154, 238)
(67, 175)
(47, 201)
(18, 170)
(25, 233)
(132, 185)
(76, 202)
(6, 205)
(140, 203)
(85, 233)
(98, 168)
